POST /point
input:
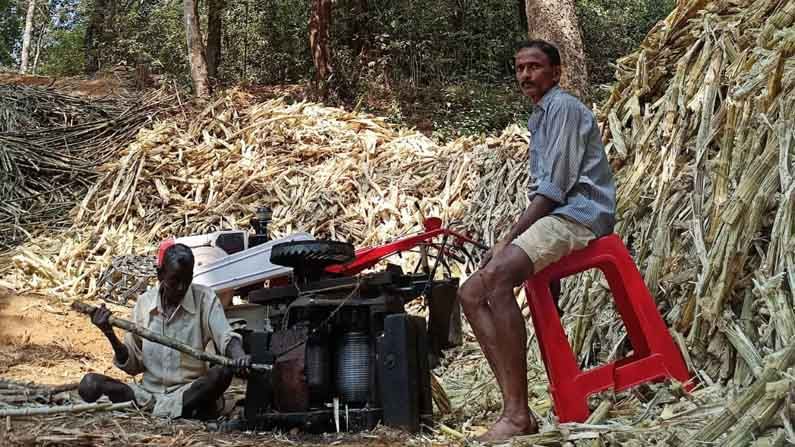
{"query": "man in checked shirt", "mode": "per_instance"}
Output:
(571, 202)
(174, 384)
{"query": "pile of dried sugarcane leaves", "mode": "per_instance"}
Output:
(322, 170)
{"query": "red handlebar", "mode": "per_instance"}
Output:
(368, 257)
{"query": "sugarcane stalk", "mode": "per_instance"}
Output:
(440, 396)
(165, 341)
(552, 437)
(22, 387)
(743, 371)
(451, 432)
(741, 343)
(38, 411)
(600, 414)
(597, 417)
(779, 439)
(721, 423)
(754, 423)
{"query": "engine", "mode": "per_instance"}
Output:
(345, 352)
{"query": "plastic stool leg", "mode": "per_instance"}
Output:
(559, 360)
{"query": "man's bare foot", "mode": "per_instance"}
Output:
(506, 428)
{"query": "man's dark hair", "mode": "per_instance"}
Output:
(547, 48)
(178, 255)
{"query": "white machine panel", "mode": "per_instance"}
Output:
(246, 267)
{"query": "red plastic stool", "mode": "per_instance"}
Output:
(655, 354)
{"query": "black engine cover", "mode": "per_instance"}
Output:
(259, 387)
(404, 376)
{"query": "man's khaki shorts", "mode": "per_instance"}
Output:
(551, 238)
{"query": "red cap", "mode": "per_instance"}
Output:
(161, 250)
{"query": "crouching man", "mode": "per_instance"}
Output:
(174, 384)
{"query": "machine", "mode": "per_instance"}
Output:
(346, 354)
(234, 262)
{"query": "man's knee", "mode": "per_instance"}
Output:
(500, 278)
(472, 293)
(90, 388)
(220, 377)
(511, 269)
(496, 275)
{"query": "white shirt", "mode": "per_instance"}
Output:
(198, 320)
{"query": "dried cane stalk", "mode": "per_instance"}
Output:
(165, 341)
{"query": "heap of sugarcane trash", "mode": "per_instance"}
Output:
(703, 121)
(700, 127)
(50, 144)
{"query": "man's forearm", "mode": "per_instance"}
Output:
(540, 206)
(120, 351)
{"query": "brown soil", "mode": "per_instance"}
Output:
(42, 341)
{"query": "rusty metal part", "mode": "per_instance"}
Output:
(444, 317)
(291, 391)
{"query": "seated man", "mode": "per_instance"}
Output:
(572, 201)
(174, 384)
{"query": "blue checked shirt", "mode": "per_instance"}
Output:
(568, 163)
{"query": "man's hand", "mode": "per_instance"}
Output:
(241, 362)
(101, 319)
(241, 365)
(492, 252)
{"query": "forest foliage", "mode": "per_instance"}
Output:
(397, 58)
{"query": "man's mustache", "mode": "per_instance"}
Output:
(527, 84)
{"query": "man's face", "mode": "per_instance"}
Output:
(174, 282)
(535, 73)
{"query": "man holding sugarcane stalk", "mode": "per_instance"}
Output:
(174, 383)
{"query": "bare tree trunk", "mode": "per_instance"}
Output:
(521, 9)
(319, 23)
(95, 35)
(143, 77)
(215, 29)
(42, 34)
(556, 21)
(198, 66)
(23, 67)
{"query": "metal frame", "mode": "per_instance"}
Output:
(368, 257)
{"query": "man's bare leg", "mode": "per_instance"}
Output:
(199, 400)
(479, 315)
(93, 386)
(491, 308)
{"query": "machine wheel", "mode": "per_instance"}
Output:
(311, 257)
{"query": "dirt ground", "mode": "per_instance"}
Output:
(43, 341)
